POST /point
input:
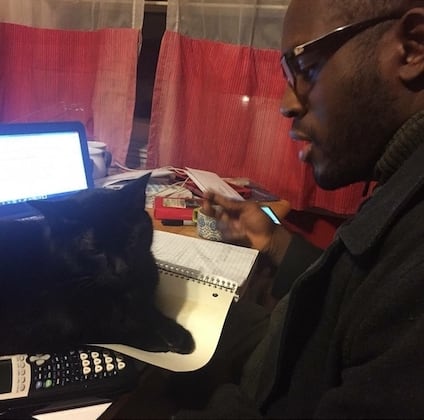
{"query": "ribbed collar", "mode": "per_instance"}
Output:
(388, 200)
(405, 141)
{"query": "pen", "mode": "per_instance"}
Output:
(172, 222)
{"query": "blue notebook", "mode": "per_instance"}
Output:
(47, 160)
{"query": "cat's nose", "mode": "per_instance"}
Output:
(119, 266)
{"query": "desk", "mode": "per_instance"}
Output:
(281, 208)
(161, 393)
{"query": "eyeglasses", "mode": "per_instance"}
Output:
(307, 59)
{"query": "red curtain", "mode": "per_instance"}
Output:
(90, 76)
(216, 107)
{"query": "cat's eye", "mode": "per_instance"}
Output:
(133, 238)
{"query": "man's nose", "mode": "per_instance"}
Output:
(291, 106)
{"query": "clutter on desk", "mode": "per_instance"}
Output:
(185, 183)
(119, 179)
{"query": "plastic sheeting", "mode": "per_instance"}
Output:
(256, 23)
(73, 14)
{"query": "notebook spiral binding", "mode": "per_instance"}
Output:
(195, 275)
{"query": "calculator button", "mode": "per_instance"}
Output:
(109, 367)
(85, 363)
(83, 356)
(121, 365)
(86, 370)
(108, 359)
(94, 354)
(40, 362)
(48, 383)
(97, 361)
(98, 368)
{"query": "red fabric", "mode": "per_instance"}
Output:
(199, 120)
(71, 75)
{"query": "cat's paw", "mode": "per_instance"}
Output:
(166, 335)
(176, 338)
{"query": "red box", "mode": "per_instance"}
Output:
(174, 208)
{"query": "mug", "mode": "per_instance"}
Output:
(102, 146)
(97, 157)
(207, 227)
(97, 145)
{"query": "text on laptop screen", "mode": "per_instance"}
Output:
(40, 165)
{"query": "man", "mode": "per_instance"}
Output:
(348, 338)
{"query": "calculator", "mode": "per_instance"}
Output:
(33, 379)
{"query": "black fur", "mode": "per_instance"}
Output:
(83, 274)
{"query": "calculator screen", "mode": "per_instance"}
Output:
(5, 376)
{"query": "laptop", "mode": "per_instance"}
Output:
(44, 160)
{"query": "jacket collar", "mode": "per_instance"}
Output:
(381, 209)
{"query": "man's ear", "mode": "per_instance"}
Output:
(412, 68)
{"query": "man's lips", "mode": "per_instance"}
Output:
(298, 135)
(306, 149)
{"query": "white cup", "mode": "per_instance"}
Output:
(97, 145)
(97, 157)
(99, 168)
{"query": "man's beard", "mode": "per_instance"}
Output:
(364, 128)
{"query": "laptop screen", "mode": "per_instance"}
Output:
(41, 161)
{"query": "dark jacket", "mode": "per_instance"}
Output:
(349, 340)
(353, 341)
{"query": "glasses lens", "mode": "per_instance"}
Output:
(287, 71)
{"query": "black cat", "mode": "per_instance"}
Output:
(83, 274)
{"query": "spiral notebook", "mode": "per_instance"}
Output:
(198, 299)
(203, 256)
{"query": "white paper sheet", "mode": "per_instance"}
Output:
(210, 181)
(214, 258)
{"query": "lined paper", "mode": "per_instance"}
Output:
(208, 257)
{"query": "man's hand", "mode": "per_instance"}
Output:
(244, 223)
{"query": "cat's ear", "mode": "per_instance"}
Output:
(86, 204)
(57, 211)
(134, 193)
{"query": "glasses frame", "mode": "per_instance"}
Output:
(297, 60)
